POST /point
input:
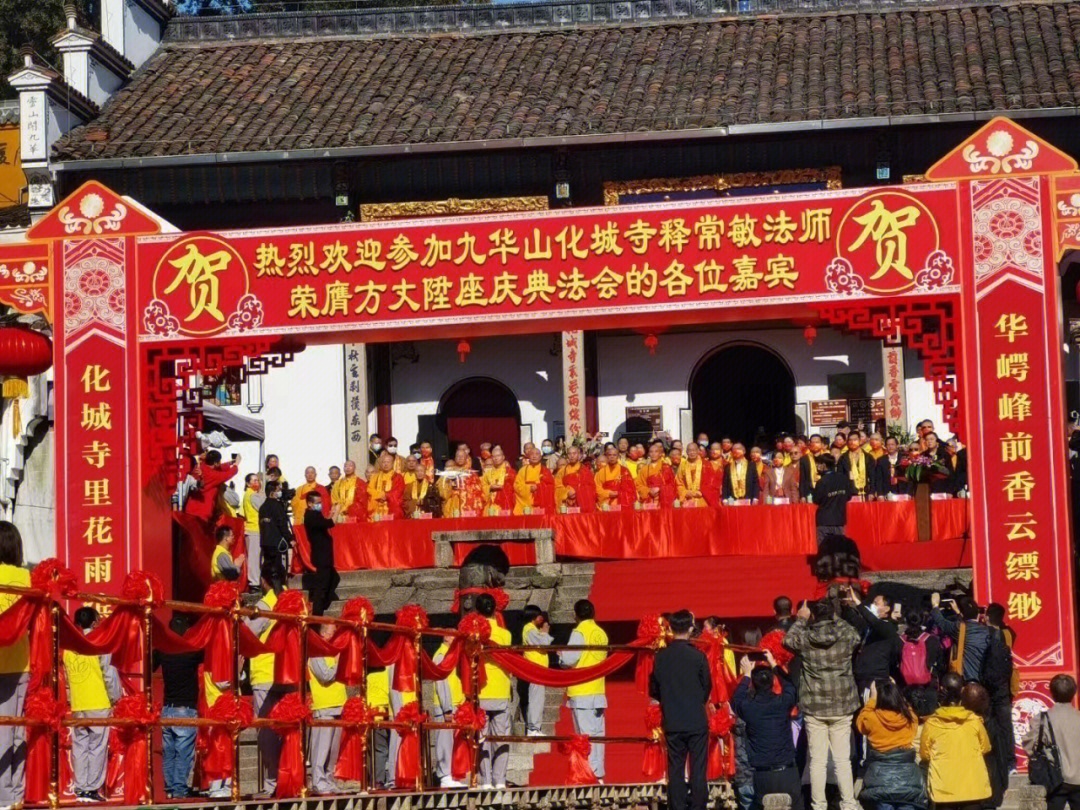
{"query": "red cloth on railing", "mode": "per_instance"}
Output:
(472, 722)
(654, 763)
(580, 771)
(721, 746)
(351, 760)
(290, 712)
(41, 706)
(129, 744)
(237, 713)
(723, 679)
(408, 761)
(515, 664)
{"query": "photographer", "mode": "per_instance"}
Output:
(210, 476)
(879, 655)
(767, 715)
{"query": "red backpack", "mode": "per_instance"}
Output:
(913, 668)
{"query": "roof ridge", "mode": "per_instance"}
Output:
(554, 15)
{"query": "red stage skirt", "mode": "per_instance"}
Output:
(758, 531)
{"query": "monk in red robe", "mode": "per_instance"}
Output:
(656, 481)
(498, 483)
(712, 475)
(614, 483)
(574, 485)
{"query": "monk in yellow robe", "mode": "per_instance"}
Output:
(875, 447)
(416, 486)
(461, 493)
(689, 478)
(498, 483)
(299, 501)
(614, 484)
(385, 490)
(655, 481)
(534, 486)
(349, 495)
(574, 485)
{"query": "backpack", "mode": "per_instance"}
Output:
(913, 668)
(997, 666)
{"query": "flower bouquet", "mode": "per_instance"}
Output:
(925, 469)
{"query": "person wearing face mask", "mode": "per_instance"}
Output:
(392, 449)
(740, 476)
(656, 481)
(275, 533)
(427, 461)
(299, 501)
(374, 448)
(324, 581)
(551, 458)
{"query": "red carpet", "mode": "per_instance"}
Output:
(735, 587)
(627, 719)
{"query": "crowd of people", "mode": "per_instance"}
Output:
(918, 702)
(580, 477)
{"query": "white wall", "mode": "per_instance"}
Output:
(304, 413)
(629, 375)
(524, 364)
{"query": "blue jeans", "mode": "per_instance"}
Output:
(178, 751)
(887, 806)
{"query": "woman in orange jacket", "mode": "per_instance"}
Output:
(892, 781)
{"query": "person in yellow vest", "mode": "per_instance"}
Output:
(93, 687)
(249, 511)
(448, 697)
(265, 695)
(222, 564)
(377, 695)
(14, 672)
(535, 633)
(495, 700)
(327, 699)
(588, 701)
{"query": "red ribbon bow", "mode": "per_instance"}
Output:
(292, 603)
(359, 610)
(413, 617)
(143, 586)
(57, 581)
(578, 748)
(721, 746)
(773, 641)
(222, 594)
(129, 743)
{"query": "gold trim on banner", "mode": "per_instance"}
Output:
(614, 191)
(914, 178)
(377, 212)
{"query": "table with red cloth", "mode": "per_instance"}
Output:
(756, 530)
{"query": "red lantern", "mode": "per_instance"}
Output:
(23, 353)
(463, 349)
(651, 342)
(810, 333)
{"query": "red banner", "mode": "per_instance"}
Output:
(1015, 401)
(694, 255)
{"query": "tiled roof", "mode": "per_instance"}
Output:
(263, 93)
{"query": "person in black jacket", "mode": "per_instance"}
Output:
(275, 531)
(832, 493)
(879, 656)
(770, 748)
(681, 683)
(322, 584)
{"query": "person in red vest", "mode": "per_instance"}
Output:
(211, 476)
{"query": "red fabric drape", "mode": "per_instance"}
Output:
(237, 712)
(515, 664)
(131, 744)
(290, 711)
(505, 498)
(580, 772)
(654, 762)
(721, 746)
(723, 679)
(584, 487)
(351, 760)
(408, 761)
(473, 722)
(41, 706)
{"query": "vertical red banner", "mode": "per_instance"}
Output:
(1015, 399)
